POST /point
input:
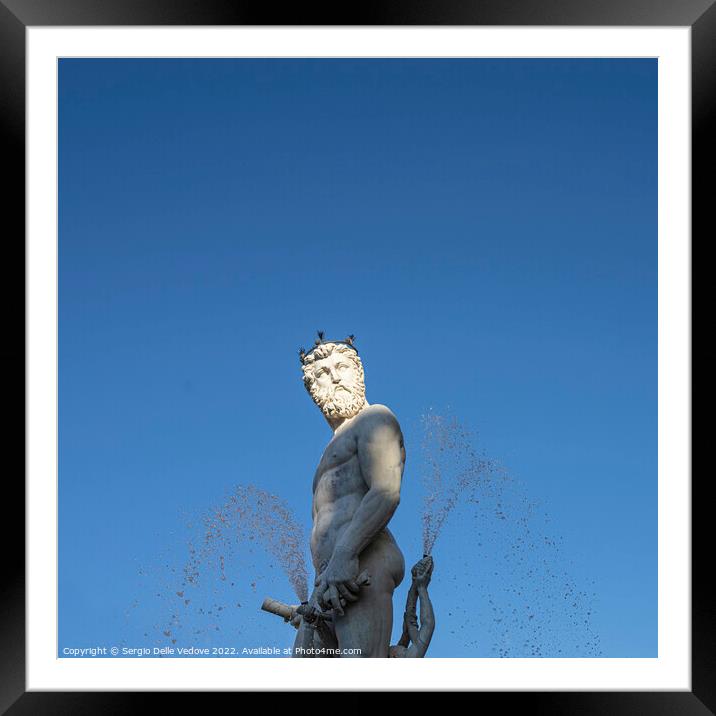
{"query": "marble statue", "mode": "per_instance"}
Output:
(356, 490)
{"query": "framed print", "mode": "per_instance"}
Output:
(491, 211)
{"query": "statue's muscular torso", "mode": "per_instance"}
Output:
(338, 489)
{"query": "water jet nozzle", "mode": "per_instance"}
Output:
(273, 606)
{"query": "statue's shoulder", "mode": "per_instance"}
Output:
(377, 415)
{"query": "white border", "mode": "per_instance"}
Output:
(671, 670)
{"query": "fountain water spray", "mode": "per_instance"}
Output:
(510, 583)
(195, 594)
(454, 473)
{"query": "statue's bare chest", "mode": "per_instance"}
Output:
(338, 471)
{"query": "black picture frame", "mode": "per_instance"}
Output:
(17, 15)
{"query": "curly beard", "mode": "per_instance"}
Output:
(341, 401)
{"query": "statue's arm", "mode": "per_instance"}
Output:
(410, 618)
(427, 625)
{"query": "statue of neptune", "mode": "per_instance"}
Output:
(356, 489)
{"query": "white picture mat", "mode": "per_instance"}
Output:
(671, 670)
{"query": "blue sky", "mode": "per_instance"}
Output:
(486, 228)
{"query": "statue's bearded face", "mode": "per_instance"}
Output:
(333, 376)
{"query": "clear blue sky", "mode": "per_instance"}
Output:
(488, 231)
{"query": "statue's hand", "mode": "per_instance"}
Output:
(422, 572)
(337, 583)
